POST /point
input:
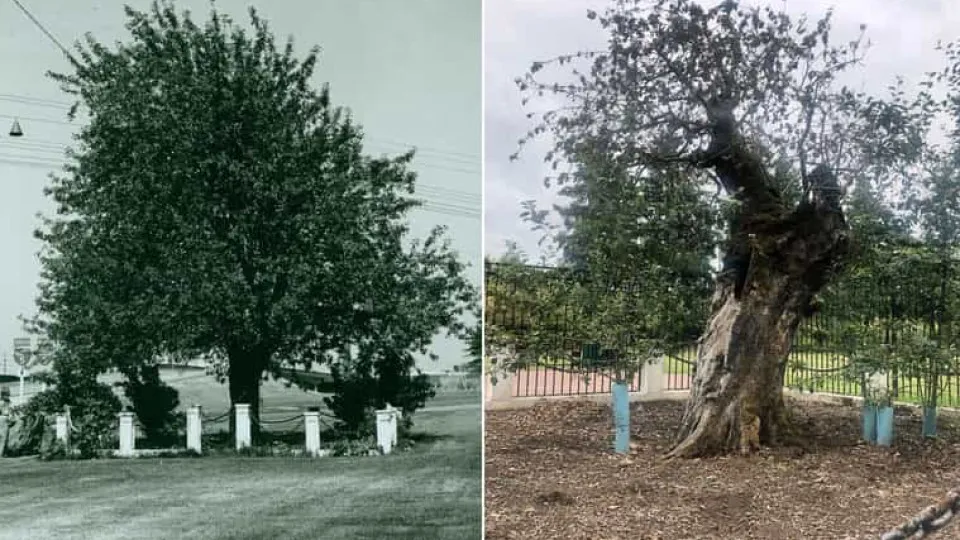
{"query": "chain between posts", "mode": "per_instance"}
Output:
(930, 520)
(215, 418)
(261, 421)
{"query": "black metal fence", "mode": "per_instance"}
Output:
(540, 310)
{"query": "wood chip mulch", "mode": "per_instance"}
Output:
(551, 473)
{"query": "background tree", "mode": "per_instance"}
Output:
(218, 206)
(743, 99)
(645, 232)
(474, 341)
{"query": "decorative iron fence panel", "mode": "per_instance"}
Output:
(532, 305)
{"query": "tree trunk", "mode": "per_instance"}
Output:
(770, 277)
(777, 258)
(736, 399)
(245, 375)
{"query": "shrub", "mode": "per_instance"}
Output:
(53, 450)
(93, 413)
(353, 447)
(363, 386)
(350, 402)
(24, 434)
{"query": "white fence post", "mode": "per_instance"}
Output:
(243, 425)
(651, 377)
(194, 429)
(63, 428)
(127, 438)
(387, 428)
(311, 424)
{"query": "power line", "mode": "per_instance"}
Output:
(455, 157)
(54, 154)
(59, 149)
(427, 206)
(419, 155)
(47, 159)
(462, 157)
(428, 165)
(444, 211)
(41, 120)
(431, 149)
(463, 196)
(450, 206)
(42, 146)
(422, 158)
(37, 102)
(45, 31)
(451, 196)
(430, 204)
(51, 102)
(27, 163)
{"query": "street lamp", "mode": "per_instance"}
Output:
(15, 130)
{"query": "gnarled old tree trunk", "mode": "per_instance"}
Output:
(777, 259)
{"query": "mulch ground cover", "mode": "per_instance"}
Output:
(551, 473)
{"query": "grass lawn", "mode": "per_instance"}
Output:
(807, 377)
(432, 491)
(833, 383)
(278, 401)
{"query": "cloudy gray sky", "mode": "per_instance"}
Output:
(410, 71)
(517, 32)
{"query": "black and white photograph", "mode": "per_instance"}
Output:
(241, 265)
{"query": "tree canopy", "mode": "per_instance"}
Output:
(675, 72)
(217, 205)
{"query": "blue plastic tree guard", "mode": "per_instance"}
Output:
(621, 418)
(930, 421)
(885, 426)
(868, 419)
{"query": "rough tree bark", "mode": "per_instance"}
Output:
(777, 259)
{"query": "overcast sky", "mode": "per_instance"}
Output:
(517, 32)
(410, 72)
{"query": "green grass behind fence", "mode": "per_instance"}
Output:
(820, 372)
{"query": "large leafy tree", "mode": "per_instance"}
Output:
(218, 205)
(744, 99)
